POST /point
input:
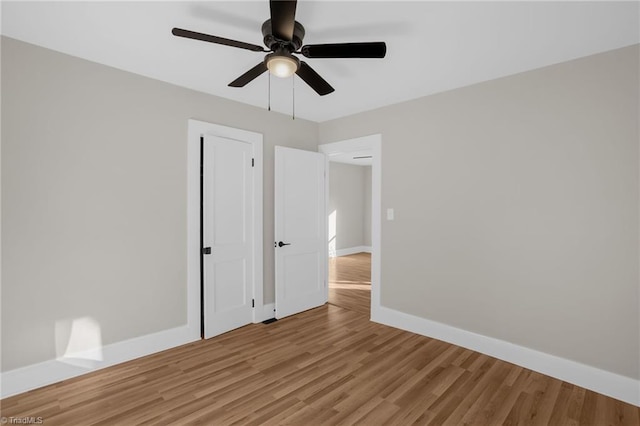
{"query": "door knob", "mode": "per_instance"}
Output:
(280, 244)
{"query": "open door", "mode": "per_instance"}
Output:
(300, 235)
(228, 234)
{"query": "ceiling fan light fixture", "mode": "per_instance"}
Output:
(282, 65)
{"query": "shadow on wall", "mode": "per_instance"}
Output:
(79, 342)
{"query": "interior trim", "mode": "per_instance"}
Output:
(605, 382)
(48, 372)
(374, 144)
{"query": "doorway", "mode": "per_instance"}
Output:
(349, 237)
(203, 218)
(227, 233)
(350, 282)
(354, 265)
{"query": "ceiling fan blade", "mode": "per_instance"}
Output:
(283, 17)
(376, 49)
(215, 39)
(249, 76)
(313, 79)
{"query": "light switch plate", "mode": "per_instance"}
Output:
(389, 214)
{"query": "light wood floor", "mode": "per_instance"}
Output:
(329, 365)
(350, 282)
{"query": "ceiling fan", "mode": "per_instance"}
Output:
(283, 37)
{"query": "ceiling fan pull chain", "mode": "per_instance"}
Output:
(269, 95)
(293, 97)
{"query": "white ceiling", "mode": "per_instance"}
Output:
(431, 46)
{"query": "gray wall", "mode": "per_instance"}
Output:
(347, 193)
(516, 208)
(516, 212)
(94, 196)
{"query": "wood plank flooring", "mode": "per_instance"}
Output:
(329, 365)
(350, 282)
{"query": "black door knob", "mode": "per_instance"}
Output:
(280, 244)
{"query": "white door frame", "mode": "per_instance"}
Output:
(196, 130)
(374, 143)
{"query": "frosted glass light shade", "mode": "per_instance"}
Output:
(282, 66)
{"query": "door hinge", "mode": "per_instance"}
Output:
(206, 250)
(253, 162)
(253, 303)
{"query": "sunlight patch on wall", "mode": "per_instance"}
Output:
(332, 233)
(79, 342)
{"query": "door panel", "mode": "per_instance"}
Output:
(230, 193)
(298, 265)
(227, 229)
(230, 286)
(299, 222)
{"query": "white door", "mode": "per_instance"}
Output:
(300, 236)
(228, 233)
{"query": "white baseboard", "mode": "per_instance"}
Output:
(614, 385)
(45, 373)
(607, 383)
(267, 312)
(30, 377)
(351, 250)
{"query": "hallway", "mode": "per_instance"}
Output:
(350, 282)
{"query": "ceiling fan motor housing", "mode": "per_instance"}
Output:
(276, 44)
